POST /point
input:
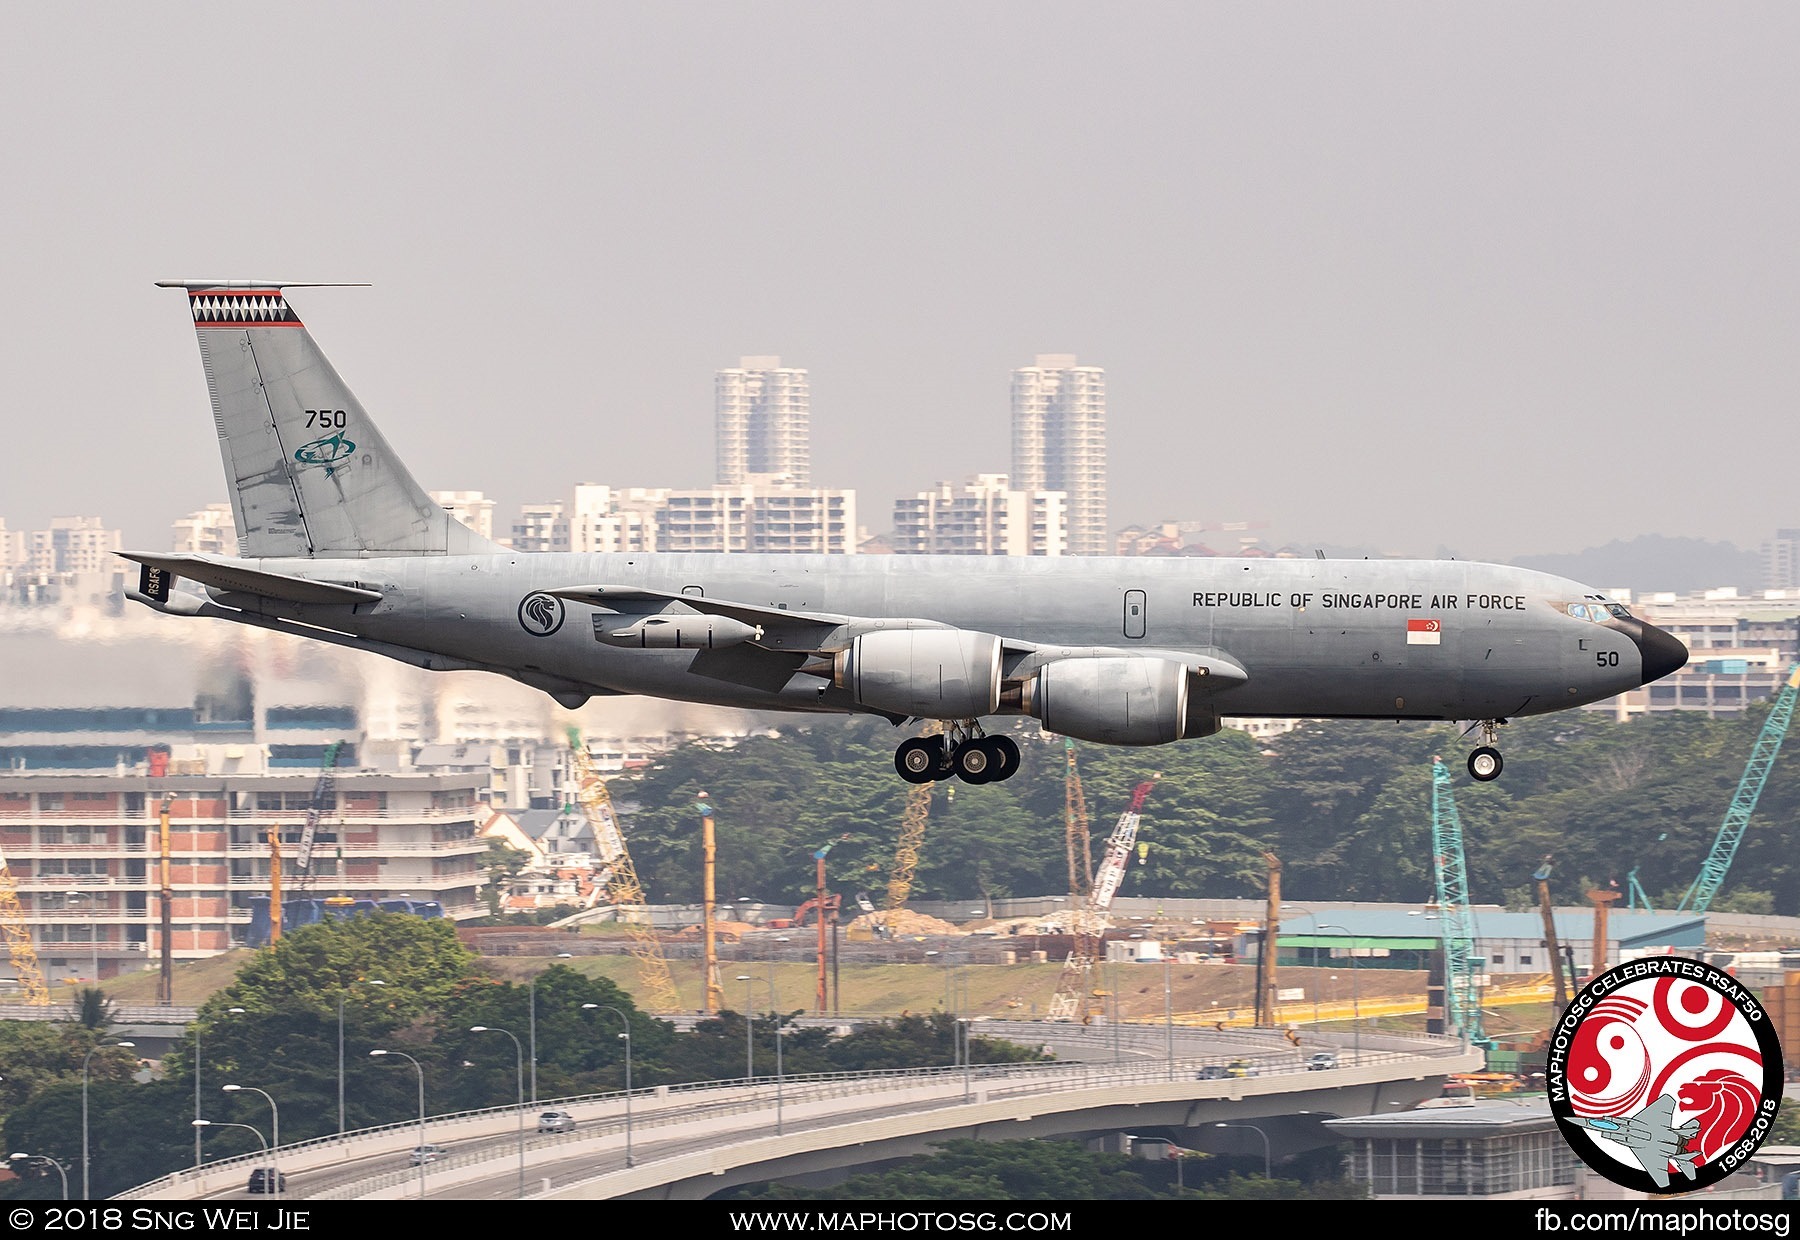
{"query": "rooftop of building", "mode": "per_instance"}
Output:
(1627, 927)
(1491, 1117)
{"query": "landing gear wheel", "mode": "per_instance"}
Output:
(1485, 764)
(920, 760)
(975, 761)
(1006, 757)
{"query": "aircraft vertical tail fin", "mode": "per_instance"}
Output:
(310, 474)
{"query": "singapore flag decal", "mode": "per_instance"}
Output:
(1423, 632)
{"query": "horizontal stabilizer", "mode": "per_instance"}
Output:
(238, 579)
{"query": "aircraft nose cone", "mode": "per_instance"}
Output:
(1661, 653)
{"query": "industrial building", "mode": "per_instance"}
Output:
(1501, 1149)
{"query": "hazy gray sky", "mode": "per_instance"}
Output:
(1506, 278)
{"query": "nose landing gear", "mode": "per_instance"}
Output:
(969, 755)
(1485, 762)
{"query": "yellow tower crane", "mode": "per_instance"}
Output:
(619, 877)
(18, 941)
(912, 835)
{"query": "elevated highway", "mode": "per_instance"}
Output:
(692, 1141)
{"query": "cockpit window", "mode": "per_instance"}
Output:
(1578, 611)
(1618, 611)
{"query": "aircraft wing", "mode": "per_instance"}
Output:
(238, 579)
(782, 639)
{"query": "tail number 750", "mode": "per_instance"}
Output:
(327, 419)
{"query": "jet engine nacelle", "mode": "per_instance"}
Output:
(678, 632)
(928, 673)
(1117, 701)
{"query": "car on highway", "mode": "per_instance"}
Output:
(555, 1121)
(266, 1180)
(423, 1154)
(1322, 1061)
(1240, 1067)
(1213, 1072)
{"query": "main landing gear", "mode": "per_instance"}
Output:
(1485, 762)
(966, 752)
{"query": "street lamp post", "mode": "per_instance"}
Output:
(93, 920)
(775, 1009)
(346, 994)
(519, 1054)
(1169, 1016)
(86, 1059)
(1267, 1174)
(421, 1071)
(274, 1131)
(532, 1037)
(749, 1030)
(625, 1038)
(213, 1123)
(1313, 918)
(60, 1169)
(1355, 996)
(236, 1011)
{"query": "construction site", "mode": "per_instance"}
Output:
(1492, 977)
(85, 878)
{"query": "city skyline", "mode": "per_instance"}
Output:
(1401, 278)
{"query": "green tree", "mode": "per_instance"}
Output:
(93, 1010)
(503, 863)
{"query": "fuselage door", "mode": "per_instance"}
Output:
(1135, 606)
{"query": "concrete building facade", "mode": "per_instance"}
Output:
(84, 849)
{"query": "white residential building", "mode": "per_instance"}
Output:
(759, 518)
(762, 423)
(472, 508)
(985, 516)
(75, 545)
(210, 531)
(1059, 442)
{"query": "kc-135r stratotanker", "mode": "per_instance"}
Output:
(340, 544)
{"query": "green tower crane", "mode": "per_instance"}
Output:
(1462, 998)
(1756, 773)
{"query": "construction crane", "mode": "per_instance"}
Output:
(323, 793)
(1700, 894)
(618, 877)
(1462, 997)
(912, 834)
(1079, 843)
(18, 941)
(1547, 911)
(1074, 995)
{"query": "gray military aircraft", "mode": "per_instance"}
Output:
(340, 544)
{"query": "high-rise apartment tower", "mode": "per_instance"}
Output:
(762, 422)
(1059, 442)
